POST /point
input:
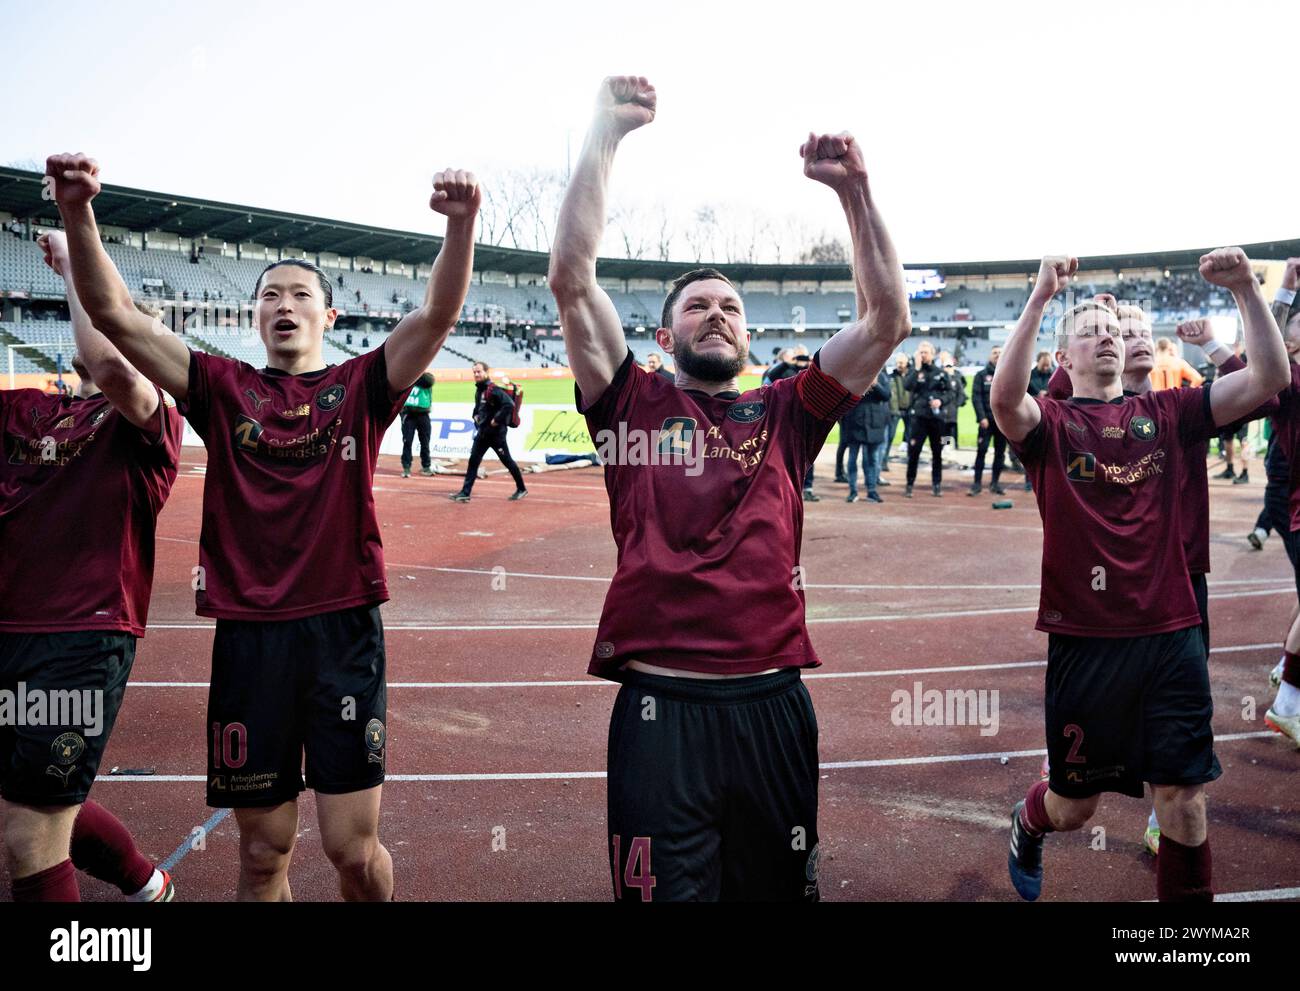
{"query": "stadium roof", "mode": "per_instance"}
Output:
(142, 210)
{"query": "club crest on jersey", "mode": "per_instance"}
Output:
(330, 398)
(94, 420)
(1080, 466)
(746, 412)
(676, 434)
(1142, 428)
(257, 401)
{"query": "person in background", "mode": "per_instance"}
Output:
(900, 406)
(415, 420)
(655, 363)
(981, 387)
(956, 399)
(929, 387)
(1039, 376)
(1172, 371)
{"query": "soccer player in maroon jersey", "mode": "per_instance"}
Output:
(82, 480)
(1127, 691)
(291, 563)
(712, 784)
(1139, 359)
(1284, 714)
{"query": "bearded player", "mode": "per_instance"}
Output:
(290, 559)
(1127, 691)
(82, 480)
(713, 741)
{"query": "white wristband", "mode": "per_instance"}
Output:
(1212, 347)
(1285, 296)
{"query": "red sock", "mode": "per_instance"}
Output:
(1183, 872)
(1034, 815)
(1291, 668)
(54, 884)
(102, 847)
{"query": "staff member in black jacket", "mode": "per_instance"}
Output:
(929, 386)
(863, 429)
(493, 408)
(956, 398)
(980, 387)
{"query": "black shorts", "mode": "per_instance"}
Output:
(81, 678)
(713, 789)
(1240, 434)
(284, 687)
(1201, 589)
(1121, 711)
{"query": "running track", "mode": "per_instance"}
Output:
(493, 723)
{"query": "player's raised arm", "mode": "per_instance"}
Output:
(1235, 395)
(593, 333)
(131, 393)
(855, 355)
(150, 348)
(1014, 410)
(421, 333)
(1281, 306)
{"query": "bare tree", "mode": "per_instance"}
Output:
(701, 233)
(825, 251)
(633, 230)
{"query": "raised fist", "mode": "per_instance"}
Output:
(76, 178)
(54, 246)
(1053, 276)
(1227, 267)
(455, 194)
(1198, 332)
(626, 103)
(1291, 277)
(834, 159)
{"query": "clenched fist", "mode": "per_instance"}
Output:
(76, 178)
(1053, 276)
(455, 194)
(1227, 267)
(833, 159)
(54, 246)
(1291, 277)
(626, 103)
(1198, 332)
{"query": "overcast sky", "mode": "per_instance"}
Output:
(991, 130)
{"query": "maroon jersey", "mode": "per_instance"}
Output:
(1109, 479)
(1286, 424)
(708, 574)
(289, 527)
(80, 491)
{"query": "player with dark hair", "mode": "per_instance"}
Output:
(82, 480)
(988, 429)
(493, 407)
(290, 559)
(712, 784)
(1127, 689)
